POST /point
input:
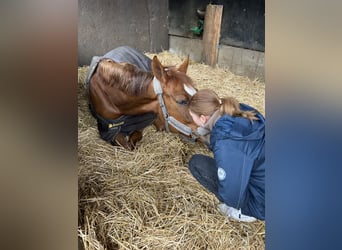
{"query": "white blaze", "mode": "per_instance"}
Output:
(190, 90)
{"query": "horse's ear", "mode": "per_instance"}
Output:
(184, 66)
(158, 69)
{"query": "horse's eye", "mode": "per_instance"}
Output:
(182, 102)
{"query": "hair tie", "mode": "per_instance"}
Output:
(220, 101)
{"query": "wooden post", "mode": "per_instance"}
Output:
(211, 33)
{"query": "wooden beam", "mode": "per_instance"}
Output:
(211, 34)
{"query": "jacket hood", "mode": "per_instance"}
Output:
(240, 128)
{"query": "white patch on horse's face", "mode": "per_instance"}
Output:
(190, 90)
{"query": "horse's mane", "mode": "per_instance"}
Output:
(126, 77)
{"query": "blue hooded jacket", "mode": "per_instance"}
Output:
(239, 150)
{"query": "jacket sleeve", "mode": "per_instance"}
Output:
(233, 170)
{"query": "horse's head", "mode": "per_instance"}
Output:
(177, 90)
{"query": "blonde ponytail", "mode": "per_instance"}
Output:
(206, 102)
(231, 107)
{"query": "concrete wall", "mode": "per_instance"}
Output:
(240, 61)
(106, 24)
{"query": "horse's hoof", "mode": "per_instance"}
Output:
(135, 137)
(120, 140)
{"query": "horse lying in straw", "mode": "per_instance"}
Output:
(128, 92)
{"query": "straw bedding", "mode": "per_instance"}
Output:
(147, 198)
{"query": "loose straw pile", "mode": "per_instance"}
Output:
(147, 198)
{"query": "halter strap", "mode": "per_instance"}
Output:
(159, 92)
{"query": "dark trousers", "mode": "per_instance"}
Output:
(204, 169)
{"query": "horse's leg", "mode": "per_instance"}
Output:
(135, 137)
(120, 140)
(159, 124)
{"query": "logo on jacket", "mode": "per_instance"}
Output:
(221, 174)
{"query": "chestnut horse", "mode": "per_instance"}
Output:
(128, 91)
